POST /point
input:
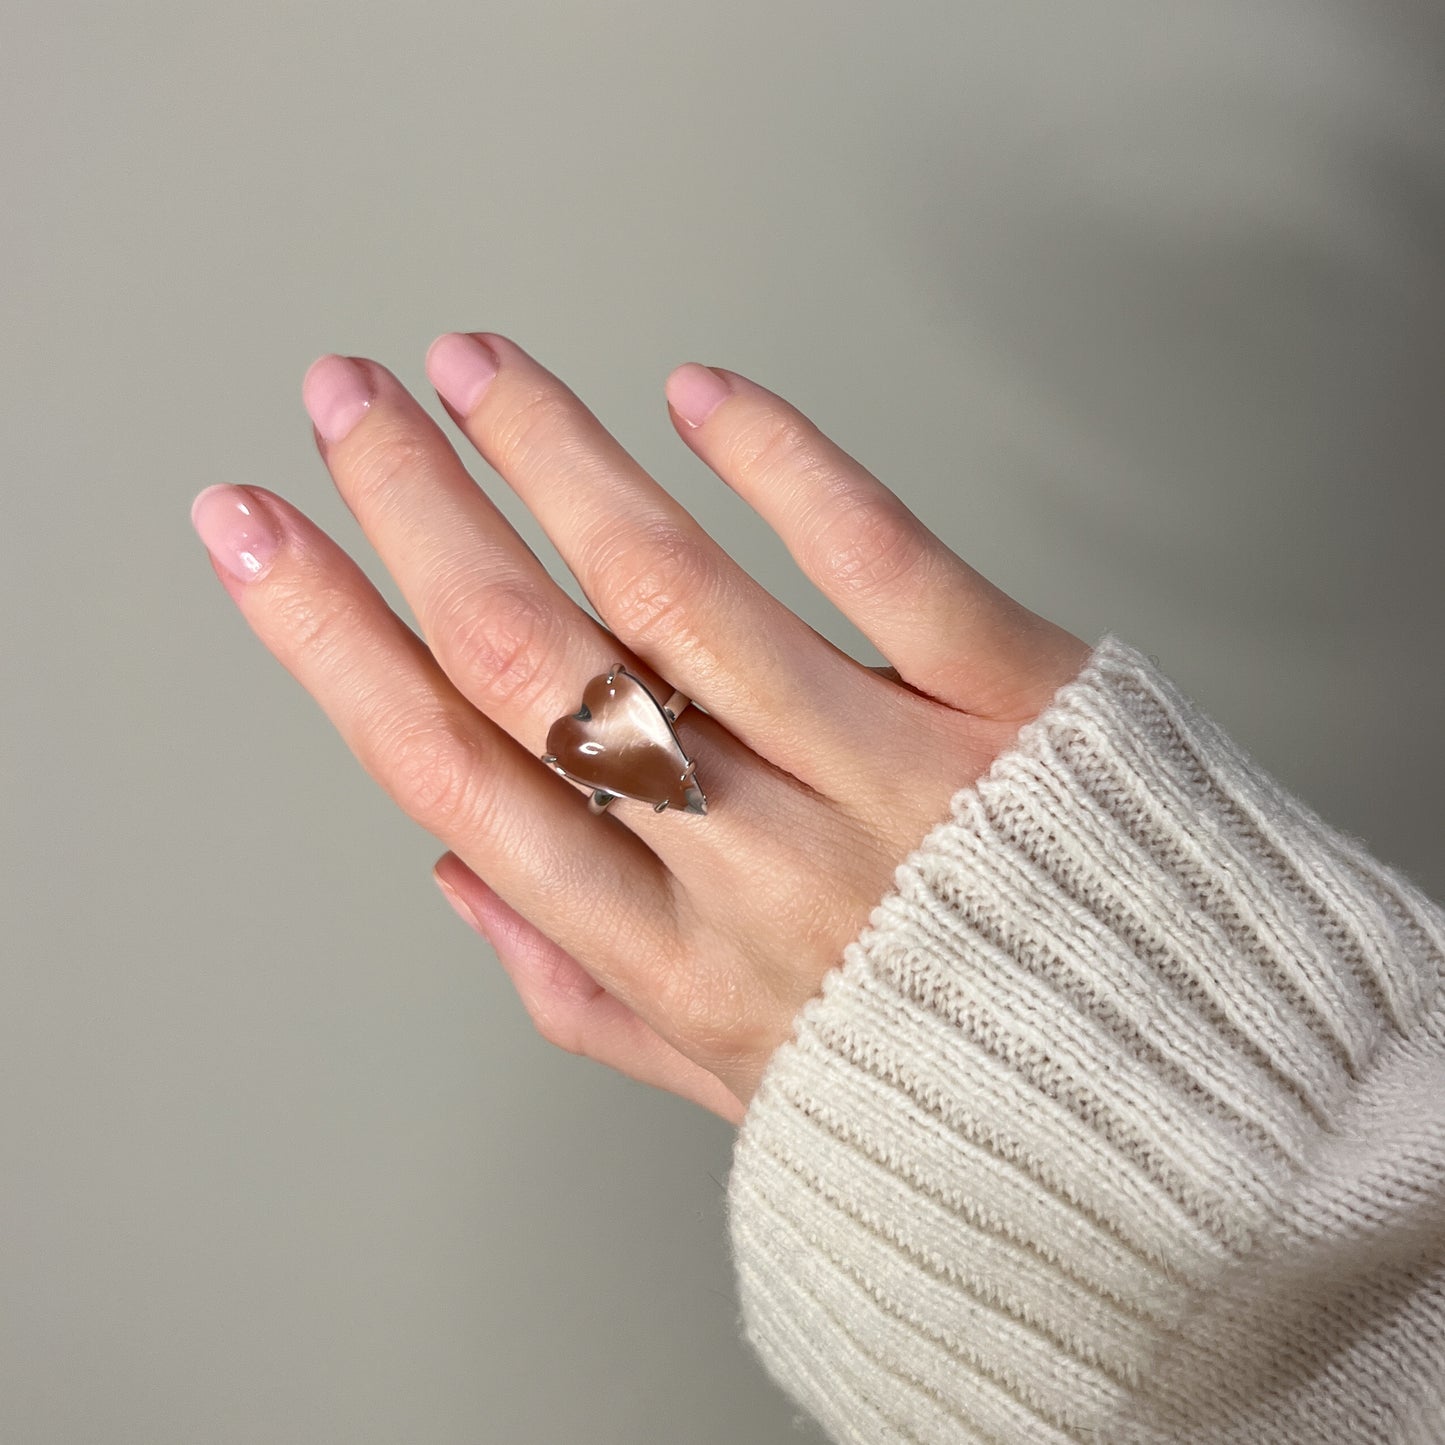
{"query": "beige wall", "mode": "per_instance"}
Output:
(1141, 305)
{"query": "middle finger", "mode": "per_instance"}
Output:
(655, 577)
(506, 634)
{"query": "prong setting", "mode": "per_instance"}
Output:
(622, 742)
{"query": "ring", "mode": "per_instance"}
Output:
(621, 743)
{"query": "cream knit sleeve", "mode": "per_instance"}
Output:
(1123, 1120)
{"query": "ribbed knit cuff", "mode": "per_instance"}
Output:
(1095, 1133)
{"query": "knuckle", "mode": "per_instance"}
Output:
(776, 443)
(712, 1013)
(651, 577)
(556, 1004)
(388, 461)
(499, 641)
(434, 770)
(315, 617)
(554, 1025)
(870, 550)
(530, 426)
(557, 1028)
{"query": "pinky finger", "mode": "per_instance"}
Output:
(568, 1006)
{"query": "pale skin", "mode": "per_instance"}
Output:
(675, 948)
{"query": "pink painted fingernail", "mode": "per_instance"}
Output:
(696, 392)
(461, 368)
(237, 530)
(337, 392)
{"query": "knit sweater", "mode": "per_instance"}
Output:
(1122, 1120)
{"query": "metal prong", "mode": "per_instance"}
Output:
(599, 800)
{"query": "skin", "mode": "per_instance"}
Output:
(674, 948)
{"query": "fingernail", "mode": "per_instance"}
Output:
(237, 531)
(459, 904)
(695, 392)
(461, 368)
(336, 392)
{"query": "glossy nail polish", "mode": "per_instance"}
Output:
(237, 530)
(461, 368)
(695, 392)
(337, 392)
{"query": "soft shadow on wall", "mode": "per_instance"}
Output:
(1206, 304)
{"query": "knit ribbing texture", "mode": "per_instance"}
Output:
(1122, 1120)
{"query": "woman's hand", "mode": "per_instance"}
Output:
(673, 947)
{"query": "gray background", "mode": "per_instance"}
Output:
(1141, 306)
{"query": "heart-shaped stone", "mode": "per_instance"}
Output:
(621, 742)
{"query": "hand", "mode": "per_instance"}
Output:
(673, 947)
